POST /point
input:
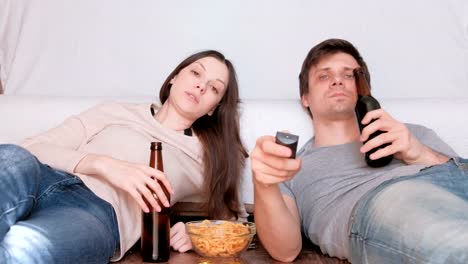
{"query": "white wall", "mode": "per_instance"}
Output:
(115, 47)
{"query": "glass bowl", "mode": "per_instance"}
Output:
(220, 238)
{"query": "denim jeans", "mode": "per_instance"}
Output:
(422, 218)
(49, 216)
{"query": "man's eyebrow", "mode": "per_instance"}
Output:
(322, 69)
(328, 68)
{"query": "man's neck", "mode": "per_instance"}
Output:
(336, 132)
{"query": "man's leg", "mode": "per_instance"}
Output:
(423, 219)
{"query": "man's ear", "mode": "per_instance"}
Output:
(304, 101)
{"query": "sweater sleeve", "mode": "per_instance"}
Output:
(59, 146)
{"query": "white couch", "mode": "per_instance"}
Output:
(22, 116)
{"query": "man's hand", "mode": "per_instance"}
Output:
(403, 145)
(139, 180)
(271, 163)
(180, 240)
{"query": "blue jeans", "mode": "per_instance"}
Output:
(421, 218)
(49, 216)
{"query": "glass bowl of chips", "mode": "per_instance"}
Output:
(220, 238)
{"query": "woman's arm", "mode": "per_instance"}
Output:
(136, 179)
(60, 148)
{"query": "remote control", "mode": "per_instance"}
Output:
(288, 140)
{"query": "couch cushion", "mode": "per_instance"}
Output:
(23, 116)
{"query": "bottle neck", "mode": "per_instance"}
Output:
(156, 162)
(362, 84)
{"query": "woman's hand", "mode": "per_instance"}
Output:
(139, 180)
(180, 240)
(403, 145)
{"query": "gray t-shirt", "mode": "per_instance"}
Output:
(334, 178)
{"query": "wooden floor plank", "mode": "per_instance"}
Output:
(309, 254)
(185, 211)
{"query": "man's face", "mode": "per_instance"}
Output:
(332, 88)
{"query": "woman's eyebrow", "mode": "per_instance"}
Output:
(221, 81)
(203, 66)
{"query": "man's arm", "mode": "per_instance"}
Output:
(423, 155)
(276, 215)
(278, 223)
(403, 145)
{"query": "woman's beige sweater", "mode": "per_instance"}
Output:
(122, 131)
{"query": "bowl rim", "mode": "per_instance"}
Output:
(251, 225)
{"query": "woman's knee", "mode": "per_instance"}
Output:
(10, 153)
(16, 162)
(25, 247)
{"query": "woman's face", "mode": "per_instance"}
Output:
(198, 88)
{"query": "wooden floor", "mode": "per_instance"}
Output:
(257, 254)
(309, 254)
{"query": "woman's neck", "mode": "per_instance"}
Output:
(169, 117)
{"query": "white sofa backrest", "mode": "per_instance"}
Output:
(101, 48)
(22, 116)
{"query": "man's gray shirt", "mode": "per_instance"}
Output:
(334, 178)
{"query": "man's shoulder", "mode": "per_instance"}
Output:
(416, 127)
(419, 130)
(308, 145)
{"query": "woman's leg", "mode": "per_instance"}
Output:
(49, 216)
(19, 183)
(422, 219)
(58, 235)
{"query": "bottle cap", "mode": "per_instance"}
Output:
(156, 146)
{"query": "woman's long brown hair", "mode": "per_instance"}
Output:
(223, 152)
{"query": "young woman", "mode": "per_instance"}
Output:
(85, 205)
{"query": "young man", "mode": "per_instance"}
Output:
(413, 210)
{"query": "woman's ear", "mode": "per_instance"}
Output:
(304, 101)
(173, 79)
(210, 113)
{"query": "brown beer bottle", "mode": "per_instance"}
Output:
(155, 228)
(364, 104)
